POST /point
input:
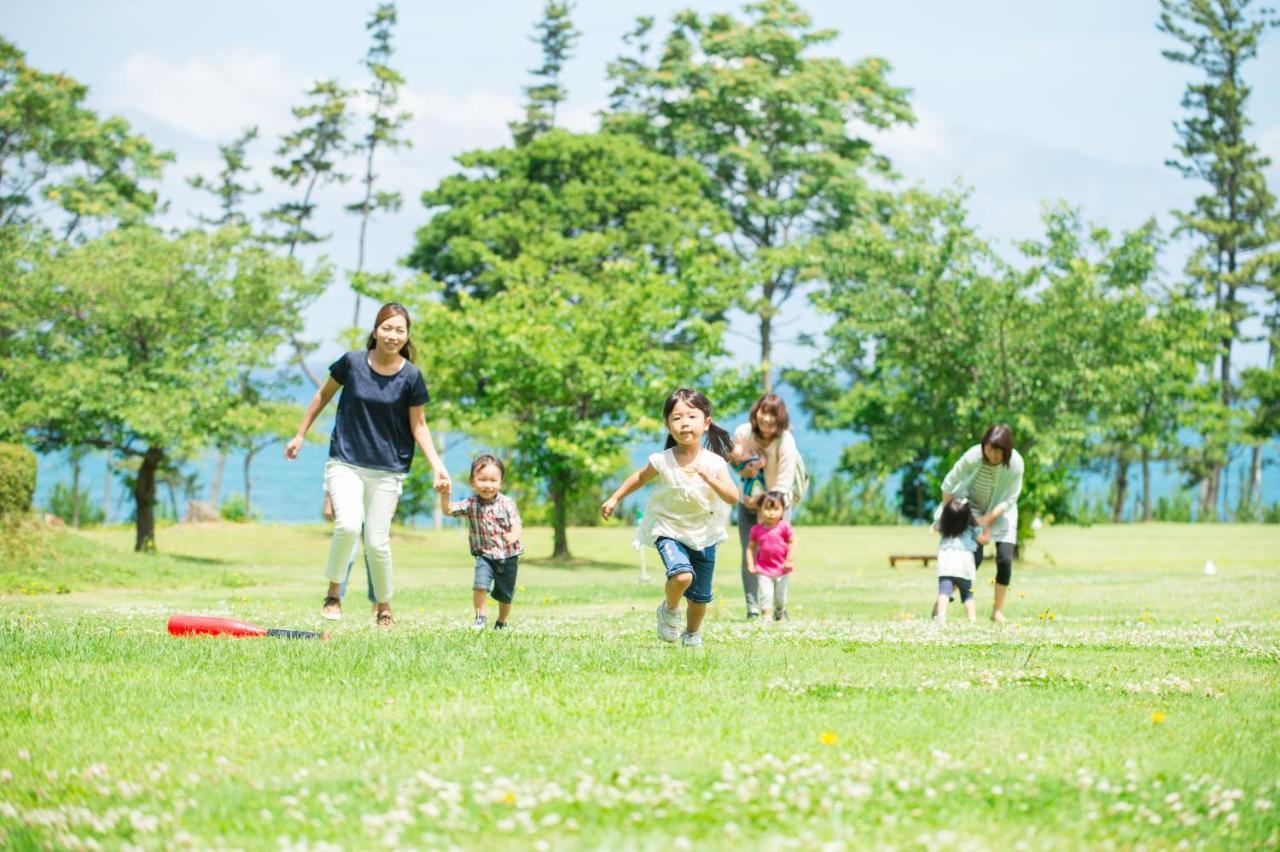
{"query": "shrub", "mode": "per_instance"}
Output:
(63, 504)
(233, 510)
(17, 479)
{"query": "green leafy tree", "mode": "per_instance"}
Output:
(782, 135)
(386, 124)
(1233, 224)
(147, 342)
(557, 36)
(582, 279)
(53, 149)
(229, 187)
(933, 339)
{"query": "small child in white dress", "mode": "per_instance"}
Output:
(956, 563)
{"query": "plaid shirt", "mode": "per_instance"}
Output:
(487, 521)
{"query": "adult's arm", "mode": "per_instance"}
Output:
(961, 472)
(788, 461)
(422, 434)
(322, 396)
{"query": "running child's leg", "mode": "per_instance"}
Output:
(504, 586)
(677, 585)
(945, 586)
(698, 593)
(764, 595)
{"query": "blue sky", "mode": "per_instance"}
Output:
(1021, 101)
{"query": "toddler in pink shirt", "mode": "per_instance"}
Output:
(770, 555)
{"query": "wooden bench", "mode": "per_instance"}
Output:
(924, 558)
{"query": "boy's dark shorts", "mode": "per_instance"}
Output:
(497, 577)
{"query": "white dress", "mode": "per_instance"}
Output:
(682, 505)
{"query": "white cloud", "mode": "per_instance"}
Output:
(208, 98)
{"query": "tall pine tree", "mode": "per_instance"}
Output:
(1233, 223)
(556, 35)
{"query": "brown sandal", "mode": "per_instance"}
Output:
(331, 609)
(385, 619)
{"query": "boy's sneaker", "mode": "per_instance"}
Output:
(480, 622)
(668, 623)
(499, 625)
(751, 613)
(691, 640)
(781, 615)
(331, 609)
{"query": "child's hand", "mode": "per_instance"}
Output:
(606, 510)
(788, 565)
(511, 536)
(751, 569)
(984, 537)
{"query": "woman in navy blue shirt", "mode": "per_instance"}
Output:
(380, 419)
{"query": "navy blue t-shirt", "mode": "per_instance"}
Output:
(372, 426)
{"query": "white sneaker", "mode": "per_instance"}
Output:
(691, 640)
(668, 623)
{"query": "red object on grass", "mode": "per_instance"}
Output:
(208, 625)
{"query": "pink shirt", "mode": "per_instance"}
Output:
(772, 545)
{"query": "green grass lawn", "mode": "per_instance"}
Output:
(1131, 700)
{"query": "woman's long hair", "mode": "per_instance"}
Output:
(717, 440)
(391, 309)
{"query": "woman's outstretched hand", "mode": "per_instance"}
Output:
(292, 448)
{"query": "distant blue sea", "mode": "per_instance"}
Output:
(291, 492)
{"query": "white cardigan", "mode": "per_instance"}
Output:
(781, 458)
(1004, 493)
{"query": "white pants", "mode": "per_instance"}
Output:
(362, 497)
(771, 591)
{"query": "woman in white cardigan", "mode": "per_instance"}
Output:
(764, 444)
(989, 476)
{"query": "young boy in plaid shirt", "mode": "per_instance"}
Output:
(494, 523)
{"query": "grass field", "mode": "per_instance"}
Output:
(1132, 701)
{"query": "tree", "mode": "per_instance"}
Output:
(144, 344)
(581, 280)
(779, 132)
(934, 338)
(1234, 224)
(312, 153)
(227, 186)
(557, 36)
(385, 125)
(53, 149)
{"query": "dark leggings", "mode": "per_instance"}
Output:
(1004, 561)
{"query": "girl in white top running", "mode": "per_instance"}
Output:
(688, 510)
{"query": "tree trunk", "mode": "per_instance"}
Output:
(559, 515)
(76, 455)
(248, 483)
(766, 353)
(144, 495)
(106, 492)
(1121, 486)
(1251, 499)
(1146, 485)
(215, 484)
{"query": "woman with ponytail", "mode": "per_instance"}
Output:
(688, 510)
(380, 419)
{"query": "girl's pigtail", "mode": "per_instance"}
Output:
(719, 441)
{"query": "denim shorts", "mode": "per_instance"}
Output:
(497, 577)
(680, 558)
(965, 587)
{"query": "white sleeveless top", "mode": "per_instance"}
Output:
(682, 506)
